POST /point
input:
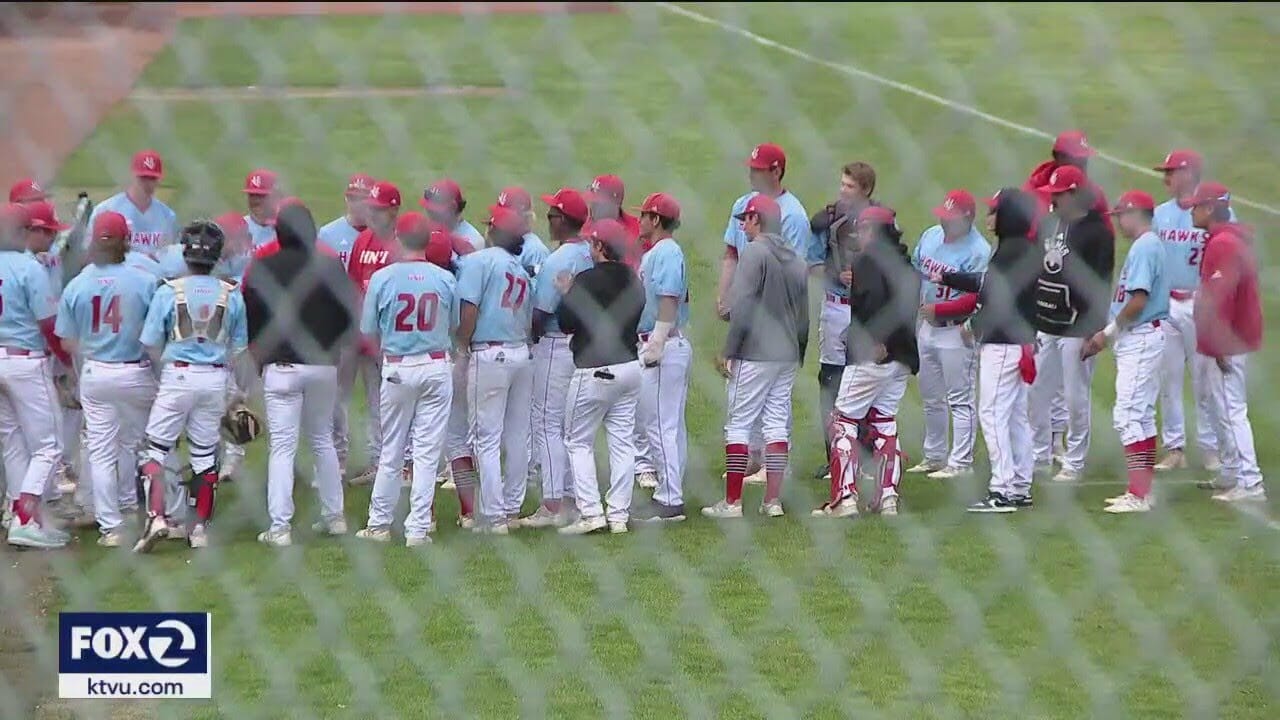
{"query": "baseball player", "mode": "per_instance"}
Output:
(667, 356)
(1071, 148)
(552, 357)
(534, 252)
(947, 356)
(1184, 248)
(1228, 320)
(1072, 296)
(604, 198)
(101, 315)
(493, 337)
(375, 248)
(832, 249)
(299, 309)
(1004, 297)
(28, 399)
(882, 353)
(26, 191)
(152, 224)
(411, 308)
(1140, 304)
(263, 201)
(444, 204)
(199, 322)
(768, 333)
(600, 310)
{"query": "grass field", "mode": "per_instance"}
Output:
(1060, 612)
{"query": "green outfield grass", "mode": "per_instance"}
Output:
(1061, 612)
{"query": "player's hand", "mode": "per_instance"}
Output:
(881, 353)
(650, 354)
(1093, 346)
(928, 314)
(721, 309)
(564, 281)
(846, 278)
(935, 277)
(722, 366)
(1223, 364)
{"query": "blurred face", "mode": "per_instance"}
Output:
(383, 218)
(649, 227)
(446, 218)
(358, 211)
(991, 223)
(866, 234)
(1201, 216)
(556, 224)
(604, 208)
(262, 208)
(1131, 224)
(147, 185)
(751, 225)
(236, 244)
(1180, 182)
(850, 189)
(763, 180)
(40, 240)
(1067, 202)
(956, 227)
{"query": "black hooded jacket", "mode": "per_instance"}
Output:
(1073, 291)
(1006, 312)
(299, 303)
(884, 300)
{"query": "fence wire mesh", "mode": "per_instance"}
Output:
(1056, 611)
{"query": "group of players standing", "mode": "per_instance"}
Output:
(497, 355)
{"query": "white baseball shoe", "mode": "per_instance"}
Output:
(1128, 503)
(723, 510)
(34, 535)
(1172, 460)
(177, 530)
(466, 522)
(276, 538)
(198, 537)
(1067, 475)
(772, 509)
(1151, 498)
(1212, 463)
(111, 538)
(416, 540)
(925, 467)
(889, 506)
(583, 526)
(647, 479)
(445, 480)
(950, 473)
(758, 477)
(617, 527)
(66, 479)
(364, 477)
(497, 527)
(376, 534)
(157, 529)
(1239, 493)
(540, 518)
(846, 506)
(330, 526)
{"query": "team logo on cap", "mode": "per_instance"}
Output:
(950, 204)
(595, 186)
(35, 187)
(255, 180)
(1084, 142)
(502, 199)
(755, 153)
(373, 192)
(149, 162)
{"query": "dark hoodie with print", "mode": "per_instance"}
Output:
(770, 300)
(884, 300)
(1073, 291)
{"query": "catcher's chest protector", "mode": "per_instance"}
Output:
(209, 325)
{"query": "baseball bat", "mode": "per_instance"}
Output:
(68, 243)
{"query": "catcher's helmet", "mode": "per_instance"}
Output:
(202, 242)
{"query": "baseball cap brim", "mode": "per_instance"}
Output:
(431, 206)
(759, 164)
(149, 174)
(258, 191)
(54, 226)
(942, 213)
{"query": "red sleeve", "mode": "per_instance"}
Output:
(54, 342)
(1040, 175)
(731, 252)
(1101, 205)
(963, 305)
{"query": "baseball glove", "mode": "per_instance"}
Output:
(240, 425)
(68, 393)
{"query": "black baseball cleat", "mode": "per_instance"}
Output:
(1022, 501)
(655, 511)
(994, 503)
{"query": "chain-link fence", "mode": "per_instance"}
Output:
(1060, 610)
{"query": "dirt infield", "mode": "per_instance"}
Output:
(67, 64)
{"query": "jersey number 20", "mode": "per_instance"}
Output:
(513, 297)
(111, 315)
(426, 305)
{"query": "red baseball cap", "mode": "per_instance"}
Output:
(761, 205)
(439, 250)
(415, 225)
(607, 187)
(358, 185)
(609, 232)
(26, 190)
(516, 198)
(147, 164)
(767, 156)
(260, 182)
(443, 196)
(1134, 200)
(994, 201)
(507, 220)
(42, 216)
(1182, 159)
(570, 202)
(1073, 143)
(384, 195)
(877, 215)
(1064, 178)
(1208, 193)
(110, 225)
(956, 204)
(232, 224)
(661, 204)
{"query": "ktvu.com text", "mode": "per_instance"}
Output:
(134, 655)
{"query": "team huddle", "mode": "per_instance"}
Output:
(497, 357)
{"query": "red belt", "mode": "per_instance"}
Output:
(832, 297)
(23, 352)
(1182, 294)
(185, 364)
(120, 362)
(644, 337)
(437, 355)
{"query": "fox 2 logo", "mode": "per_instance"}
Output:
(135, 643)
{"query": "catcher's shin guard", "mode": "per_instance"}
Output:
(887, 456)
(204, 488)
(843, 454)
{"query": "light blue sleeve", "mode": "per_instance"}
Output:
(156, 327)
(916, 259)
(65, 326)
(795, 230)
(669, 275)
(171, 263)
(981, 255)
(545, 295)
(239, 326)
(471, 279)
(372, 301)
(40, 297)
(450, 295)
(1144, 265)
(817, 253)
(733, 235)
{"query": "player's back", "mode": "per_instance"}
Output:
(413, 307)
(143, 262)
(570, 257)
(493, 280)
(25, 300)
(468, 232)
(795, 223)
(149, 230)
(663, 272)
(104, 308)
(533, 253)
(198, 319)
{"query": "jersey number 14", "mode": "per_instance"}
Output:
(110, 316)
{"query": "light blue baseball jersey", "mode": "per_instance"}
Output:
(259, 234)
(412, 307)
(203, 292)
(494, 282)
(339, 236)
(25, 300)
(570, 257)
(469, 232)
(148, 231)
(51, 261)
(103, 309)
(173, 266)
(663, 273)
(795, 224)
(968, 254)
(1183, 244)
(1144, 269)
(143, 262)
(533, 254)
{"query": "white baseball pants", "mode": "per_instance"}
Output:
(1059, 368)
(1139, 355)
(759, 393)
(414, 402)
(1230, 414)
(459, 442)
(500, 383)
(947, 374)
(1006, 428)
(604, 394)
(1179, 352)
(29, 402)
(116, 399)
(863, 388)
(350, 366)
(300, 399)
(193, 398)
(552, 370)
(660, 407)
(833, 330)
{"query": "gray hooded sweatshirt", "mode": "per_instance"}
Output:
(768, 303)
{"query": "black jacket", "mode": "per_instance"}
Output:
(299, 303)
(1006, 312)
(601, 312)
(1073, 290)
(884, 300)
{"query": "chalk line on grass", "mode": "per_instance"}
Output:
(854, 71)
(253, 93)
